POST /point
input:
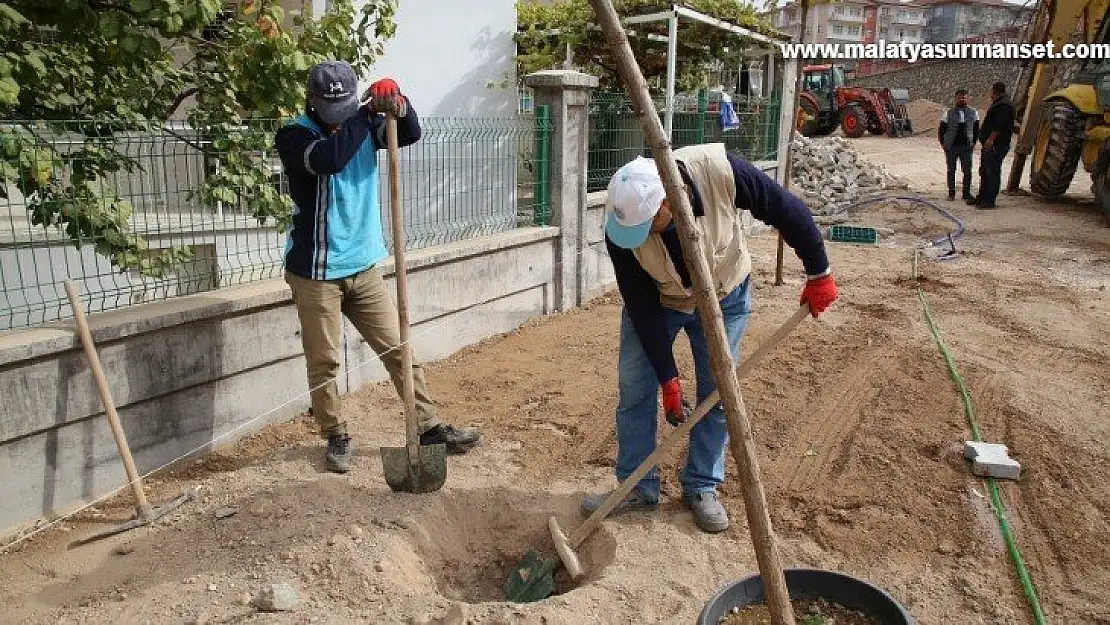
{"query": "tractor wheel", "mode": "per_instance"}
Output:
(807, 120)
(853, 121)
(1057, 149)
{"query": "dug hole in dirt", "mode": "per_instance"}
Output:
(471, 542)
(858, 425)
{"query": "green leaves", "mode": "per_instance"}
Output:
(133, 64)
(9, 91)
(545, 30)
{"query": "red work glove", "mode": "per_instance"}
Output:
(384, 88)
(674, 407)
(819, 293)
(385, 97)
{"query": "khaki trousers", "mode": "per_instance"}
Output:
(364, 299)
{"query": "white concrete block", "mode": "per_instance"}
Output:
(991, 459)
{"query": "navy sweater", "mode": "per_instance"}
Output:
(756, 192)
(1000, 118)
(329, 155)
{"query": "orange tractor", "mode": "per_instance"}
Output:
(827, 101)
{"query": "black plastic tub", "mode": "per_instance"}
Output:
(809, 584)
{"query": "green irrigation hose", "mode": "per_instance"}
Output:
(992, 484)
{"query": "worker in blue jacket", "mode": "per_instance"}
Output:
(330, 157)
(659, 301)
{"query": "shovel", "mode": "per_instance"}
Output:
(533, 578)
(145, 514)
(414, 468)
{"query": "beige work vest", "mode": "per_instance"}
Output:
(721, 235)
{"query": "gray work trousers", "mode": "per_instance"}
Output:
(961, 153)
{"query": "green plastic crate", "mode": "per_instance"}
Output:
(853, 234)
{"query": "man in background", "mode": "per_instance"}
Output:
(995, 133)
(957, 133)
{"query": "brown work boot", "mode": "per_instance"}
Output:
(457, 440)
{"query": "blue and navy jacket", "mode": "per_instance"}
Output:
(333, 180)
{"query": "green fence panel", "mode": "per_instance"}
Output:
(616, 136)
(464, 178)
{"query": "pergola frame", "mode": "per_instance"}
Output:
(672, 16)
(790, 69)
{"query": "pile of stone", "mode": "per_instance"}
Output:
(830, 176)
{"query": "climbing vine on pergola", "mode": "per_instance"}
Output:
(546, 31)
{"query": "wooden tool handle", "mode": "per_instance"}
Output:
(408, 394)
(106, 400)
(720, 358)
(679, 434)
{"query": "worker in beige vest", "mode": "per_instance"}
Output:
(659, 302)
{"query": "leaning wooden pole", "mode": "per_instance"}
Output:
(741, 441)
(789, 149)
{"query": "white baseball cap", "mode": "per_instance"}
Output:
(635, 194)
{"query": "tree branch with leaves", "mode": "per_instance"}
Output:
(90, 70)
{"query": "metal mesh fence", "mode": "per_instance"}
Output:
(616, 136)
(464, 178)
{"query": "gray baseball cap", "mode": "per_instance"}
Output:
(333, 91)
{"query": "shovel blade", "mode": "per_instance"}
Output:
(533, 579)
(426, 476)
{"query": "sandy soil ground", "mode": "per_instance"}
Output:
(858, 424)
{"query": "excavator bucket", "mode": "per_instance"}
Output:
(891, 106)
(901, 117)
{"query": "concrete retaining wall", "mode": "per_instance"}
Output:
(598, 270)
(938, 80)
(194, 369)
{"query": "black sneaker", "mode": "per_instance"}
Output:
(971, 201)
(339, 453)
(952, 195)
(458, 441)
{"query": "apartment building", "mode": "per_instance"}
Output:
(959, 20)
(898, 21)
(856, 21)
(842, 21)
(916, 21)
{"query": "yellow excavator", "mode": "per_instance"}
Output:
(1063, 127)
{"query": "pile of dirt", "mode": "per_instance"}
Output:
(925, 114)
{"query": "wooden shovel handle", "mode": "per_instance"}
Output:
(400, 278)
(143, 506)
(681, 431)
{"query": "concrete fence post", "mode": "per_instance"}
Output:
(566, 93)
